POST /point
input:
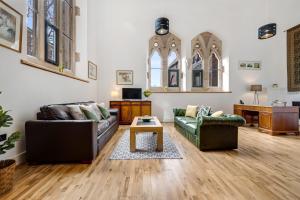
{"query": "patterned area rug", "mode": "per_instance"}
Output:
(145, 148)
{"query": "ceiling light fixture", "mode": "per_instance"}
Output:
(162, 26)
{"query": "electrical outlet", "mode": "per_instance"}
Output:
(3, 137)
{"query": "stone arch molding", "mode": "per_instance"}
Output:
(164, 45)
(205, 44)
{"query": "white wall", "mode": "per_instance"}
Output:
(123, 29)
(25, 89)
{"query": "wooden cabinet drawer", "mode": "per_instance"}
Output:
(265, 120)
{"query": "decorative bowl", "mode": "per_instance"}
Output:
(146, 118)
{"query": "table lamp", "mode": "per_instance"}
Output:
(256, 89)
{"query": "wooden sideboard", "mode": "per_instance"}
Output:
(130, 109)
(273, 120)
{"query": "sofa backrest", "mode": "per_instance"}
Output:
(58, 111)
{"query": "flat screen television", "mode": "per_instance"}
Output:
(131, 93)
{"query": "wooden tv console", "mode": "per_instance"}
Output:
(273, 120)
(130, 109)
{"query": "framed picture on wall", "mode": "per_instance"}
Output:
(92, 70)
(124, 77)
(250, 65)
(11, 25)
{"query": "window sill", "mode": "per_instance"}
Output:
(192, 92)
(39, 66)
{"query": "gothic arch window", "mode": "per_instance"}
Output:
(207, 69)
(168, 47)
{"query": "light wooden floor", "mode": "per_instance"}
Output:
(264, 167)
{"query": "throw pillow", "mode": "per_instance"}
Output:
(191, 111)
(90, 113)
(97, 110)
(203, 111)
(217, 114)
(76, 112)
(105, 113)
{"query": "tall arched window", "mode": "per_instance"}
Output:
(168, 49)
(156, 70)
(207, 69)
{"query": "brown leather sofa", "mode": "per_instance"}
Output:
(55, 137)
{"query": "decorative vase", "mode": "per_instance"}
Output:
(7, 172)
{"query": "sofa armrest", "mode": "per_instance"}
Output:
(113, 111)
(179, 112)
(230, 120)
(61, 140)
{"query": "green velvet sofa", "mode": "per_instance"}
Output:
(209, 133)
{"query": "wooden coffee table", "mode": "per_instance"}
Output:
(138, 126)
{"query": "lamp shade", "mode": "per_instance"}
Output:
(267, 31)
(162, 26)
(256, 88)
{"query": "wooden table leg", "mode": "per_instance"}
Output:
(132, 140)
(160, 140)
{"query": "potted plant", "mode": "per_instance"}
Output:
(147, 93)
(7, 167)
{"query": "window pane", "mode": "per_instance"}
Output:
(173, 78)
(156, 60)
(197, 78)
(67, 49)
(156, 77)
(197, 62)
(67, 19)
(51, 44)
(156, 72)
(172, 61)
(31, 24)
(51, 11)
(214, 71)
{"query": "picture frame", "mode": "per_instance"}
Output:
(51, 44)
(11, 27)
(124, 77)
(250, 65)
(92, 70)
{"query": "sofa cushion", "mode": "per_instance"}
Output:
(105, 113)
(187, 123)
(90, 113)
(217, 114)
(191, 128)
(94, 106)
(191, 111)
(112, 119)
(56, 112)
(76, 112)
(103, 125)
(204, 111)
